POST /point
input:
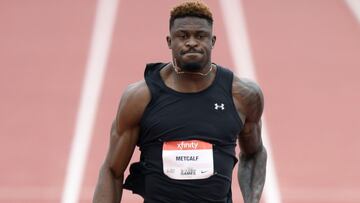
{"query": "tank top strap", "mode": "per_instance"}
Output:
(152, 78)
(152, 68)
(225, 79)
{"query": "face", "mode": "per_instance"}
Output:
(191, 41)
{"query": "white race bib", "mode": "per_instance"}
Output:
(188, 160)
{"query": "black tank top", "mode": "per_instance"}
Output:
(208, 115)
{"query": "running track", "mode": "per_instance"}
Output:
(305, 52)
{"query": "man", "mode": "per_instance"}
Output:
(186, 117)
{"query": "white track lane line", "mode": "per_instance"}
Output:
(91, 89)
(354, 6)
(235, 25)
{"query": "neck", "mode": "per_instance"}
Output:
(193, 79)
(187, 83)
(205, 71)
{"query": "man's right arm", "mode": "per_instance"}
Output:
(123, 138)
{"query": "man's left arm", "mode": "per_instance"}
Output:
(252, 165)
(253, 156)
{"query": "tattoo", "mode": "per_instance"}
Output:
(251, 176)
(249, 97)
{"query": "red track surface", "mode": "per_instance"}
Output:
(306, 55)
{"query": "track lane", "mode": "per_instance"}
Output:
(42, 53)
(306, 54)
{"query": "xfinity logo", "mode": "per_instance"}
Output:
(187, 145)
(219, 106)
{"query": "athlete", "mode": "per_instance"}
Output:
(186, 117)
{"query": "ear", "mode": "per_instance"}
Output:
(213, 40)
(168, 40)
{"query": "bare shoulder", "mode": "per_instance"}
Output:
(137, 91)
(248, 98)
(133, 103)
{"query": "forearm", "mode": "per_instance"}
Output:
(108, 188)
(251, 175)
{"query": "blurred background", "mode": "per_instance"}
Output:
(65, 63)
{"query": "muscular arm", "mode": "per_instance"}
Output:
(249, 101)
(123, 137)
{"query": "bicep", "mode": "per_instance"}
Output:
(249, 102)
(125, 128)
(122, 145)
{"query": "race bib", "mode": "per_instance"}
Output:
(188, 160)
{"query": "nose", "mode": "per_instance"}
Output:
(192, 42)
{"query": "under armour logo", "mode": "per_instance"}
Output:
(217, 106)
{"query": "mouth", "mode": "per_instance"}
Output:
(191, 52)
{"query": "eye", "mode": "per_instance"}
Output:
(201, 36)
(181, 35)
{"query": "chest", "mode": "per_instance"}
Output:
(207, 116)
